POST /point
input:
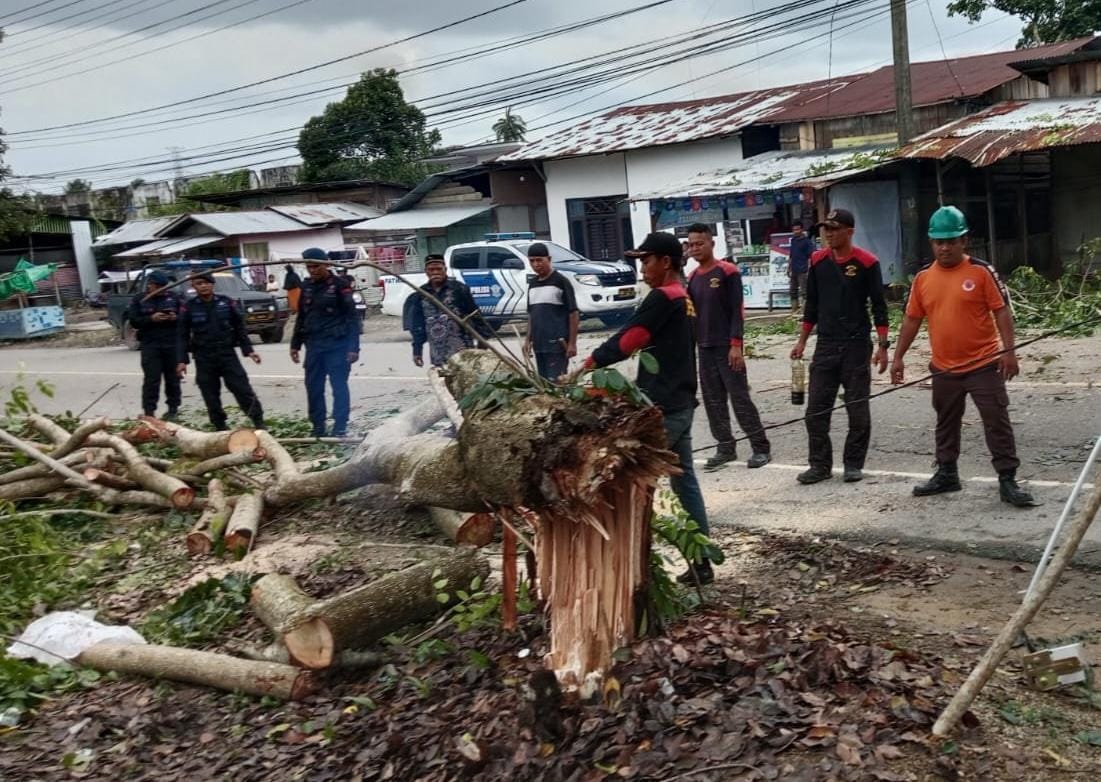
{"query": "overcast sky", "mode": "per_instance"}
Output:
(67, 46)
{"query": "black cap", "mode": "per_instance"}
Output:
(538, 249)
(157, 277)
(314, 254)
(208, 276)
(838, 218)
(433, 258)
(659, 243)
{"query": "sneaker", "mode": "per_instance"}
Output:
(758, 460)
(317, 433)
(339, 433)
(719, 459)
(945, 479)
(1012, 493)
(699, 572)
(853, 475)
(814, 475)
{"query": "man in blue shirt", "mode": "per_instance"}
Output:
(328, 326)
(802, 247)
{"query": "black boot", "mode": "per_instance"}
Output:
(1011, 492)
(698, 572)
(721, 457)
(172, 415)
(945, 479)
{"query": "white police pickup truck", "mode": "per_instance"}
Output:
(497, 271)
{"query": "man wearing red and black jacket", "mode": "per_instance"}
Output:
(842, 281)
(715, 288)
(662, 325)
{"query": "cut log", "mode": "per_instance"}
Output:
(212, 523)
(275, 598)
(361, 616)
(79, 435)
(466, 529)
(205, 668)
(241, 530)
(41, 470)
(205, 445)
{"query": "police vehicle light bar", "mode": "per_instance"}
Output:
(513, 235)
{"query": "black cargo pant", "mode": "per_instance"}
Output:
(159, 361)
(718, 383)
(987, 390)
(214, 367)
(839, 364)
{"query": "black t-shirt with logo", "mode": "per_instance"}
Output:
(550, 302)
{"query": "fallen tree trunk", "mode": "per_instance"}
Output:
(280, 459)
(357, 618)
(466, 529)
(205, 668)
(179, 493)
(197, 470)
(107, 478)
(243, 524)
(277, 653)
(32, 471)
(31, 487)
(212, 523)
(79, 435)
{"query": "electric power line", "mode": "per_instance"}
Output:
(106, 21)
(8, 21)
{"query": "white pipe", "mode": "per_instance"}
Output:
(1042, 565)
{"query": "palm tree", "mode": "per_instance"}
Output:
(510, 127)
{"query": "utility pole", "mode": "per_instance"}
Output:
(909, 218)
(177, 166)
(904, 102)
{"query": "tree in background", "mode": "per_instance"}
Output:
(1046, 21)
(78, 186)
(510, 127)
(371, 134)
(16, 212)
(228, 182)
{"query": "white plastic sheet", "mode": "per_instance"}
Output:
(60, 637)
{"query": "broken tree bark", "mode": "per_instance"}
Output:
(508, 578)
(361, 616)
(982, 672)
(212, 523)
(241, 530)
(206, 668)
(466, 529)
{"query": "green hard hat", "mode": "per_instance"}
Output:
(947, 222)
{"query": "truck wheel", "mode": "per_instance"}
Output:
(615, 319)
(271, 336)
(129, 336)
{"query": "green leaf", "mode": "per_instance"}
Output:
(439, 584)
(443, 598)
(616, 381)
(647, 361)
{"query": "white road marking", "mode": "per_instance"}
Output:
(30, 372)
(897, 474)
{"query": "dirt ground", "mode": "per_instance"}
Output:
(925, 616)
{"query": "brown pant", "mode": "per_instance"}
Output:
(987, 390)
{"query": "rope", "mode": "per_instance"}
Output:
(1096, 319)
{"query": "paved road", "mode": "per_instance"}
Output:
(1055, 408)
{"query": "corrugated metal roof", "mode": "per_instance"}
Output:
(776, 171)
(162, 248)
(1011, 127)
(135, 231)
(326, 214)
(636, 127)
(425, 217)
(260, 221)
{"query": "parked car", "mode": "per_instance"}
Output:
(265, 315)
(497, 271)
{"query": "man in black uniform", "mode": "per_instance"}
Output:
(428, 323)
(328, 326)
(662, 324)
(842, 282)
(154, 314)
(210, 326)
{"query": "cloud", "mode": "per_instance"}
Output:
(330, 28)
